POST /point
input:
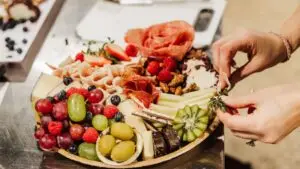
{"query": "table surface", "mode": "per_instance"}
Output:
(17, 144)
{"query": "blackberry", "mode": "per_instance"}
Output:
(89, 116)
(92, 87)
(51, 99)
(67, 80)
(62, 95)
(118, 117)
(115, 100)
(73, 149)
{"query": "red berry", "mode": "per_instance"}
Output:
(44, 106)
(95, 96)
(39, 133)
(60, 111)
(165, 76)
(84, 92)
(55, 127)
(153, 68)
(71, 91)
(90, 135)
(96, 108)
(131, 50)
(170, 64)
(76, 131)
(110, 111)
(47, 142)
(80, 57)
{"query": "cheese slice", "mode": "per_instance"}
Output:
(148, 152)
(44, 85)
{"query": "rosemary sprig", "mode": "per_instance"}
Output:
(216, 103)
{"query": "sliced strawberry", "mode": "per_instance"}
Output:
(96, 61)
(117, 52)
(131, 50)
(80, 57)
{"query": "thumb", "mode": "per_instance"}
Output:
(240, 102)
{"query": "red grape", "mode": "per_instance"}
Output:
(64, 140)
(47, 142)
(95, 96)
(44, 106)
(39, 133)
(60, 110)
(76, 131)
(96, 108)
(45, 121)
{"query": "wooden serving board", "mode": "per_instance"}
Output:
(43, 84)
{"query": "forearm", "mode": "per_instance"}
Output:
(291, 29)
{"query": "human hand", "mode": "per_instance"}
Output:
(264, 50)
(273, 113)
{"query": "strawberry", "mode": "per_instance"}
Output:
(170, 64)
(131, 50)
(71, 91)
(110, 111)
(90, 135)
(84, 92)
(117, 52)
(80, 57)
(153, 68)
(165, 76)
(97, 61)
(55, 127)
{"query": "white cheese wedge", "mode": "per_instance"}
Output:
(148, 152)
(44, 85)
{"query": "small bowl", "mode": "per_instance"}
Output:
(139, 148)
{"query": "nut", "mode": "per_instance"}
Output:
(164, 87)
(178, 90)
(177, 80)
(192, 87)
(196, 53)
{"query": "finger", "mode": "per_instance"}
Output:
(246, 135)
(237, 122)
(240, 101)
(249, 68)
(216, 51)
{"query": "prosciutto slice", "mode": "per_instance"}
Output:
(162, 40)
(142, 88)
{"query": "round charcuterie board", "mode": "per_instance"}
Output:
(115, 108)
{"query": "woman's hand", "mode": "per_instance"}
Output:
(272, 113)
(264, 50)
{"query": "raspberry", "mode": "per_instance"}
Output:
(153, 68)
(170, 64)
(165, 76)
(90, 135)
(84, 92)
(131, 50)
(110, 111)
(80, 57)
(55, 127)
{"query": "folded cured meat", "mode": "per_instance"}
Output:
(162, 40)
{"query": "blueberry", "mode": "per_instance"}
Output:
(73, 149)
(62, 95)
(7, 39)
(19, 50)
(115, 100)
(51, 99)
(25, 29)
(89, 116)
(24, 41)
(67, 80)
(118, 117)
(92, 87)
